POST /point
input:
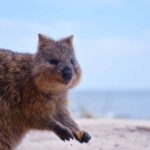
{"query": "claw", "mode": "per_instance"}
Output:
(66, 135)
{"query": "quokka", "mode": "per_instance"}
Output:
(33, 92)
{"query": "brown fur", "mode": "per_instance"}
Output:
(33, 94)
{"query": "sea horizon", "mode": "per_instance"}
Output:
(130, 104)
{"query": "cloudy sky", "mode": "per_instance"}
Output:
(111, 37)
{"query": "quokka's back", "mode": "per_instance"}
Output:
(14, 68)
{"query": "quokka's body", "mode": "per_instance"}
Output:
(33, 92)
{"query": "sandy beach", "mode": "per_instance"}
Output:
(107, 134)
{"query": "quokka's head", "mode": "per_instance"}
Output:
(56, 67)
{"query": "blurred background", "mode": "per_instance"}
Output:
(112, 42)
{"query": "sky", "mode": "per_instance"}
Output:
(111, 37)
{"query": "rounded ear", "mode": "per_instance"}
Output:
(68, 40)
(42, 38)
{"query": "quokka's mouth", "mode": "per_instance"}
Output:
(66, 82)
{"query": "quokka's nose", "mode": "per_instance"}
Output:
(67, 74)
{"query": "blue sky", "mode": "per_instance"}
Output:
(112, 37)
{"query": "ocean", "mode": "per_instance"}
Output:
(111, 104)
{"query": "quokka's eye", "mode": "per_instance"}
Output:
(73, 61)
(53, 61)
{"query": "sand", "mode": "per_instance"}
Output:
(107, 134)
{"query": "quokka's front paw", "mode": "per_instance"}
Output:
(83, 137)
(65, 134)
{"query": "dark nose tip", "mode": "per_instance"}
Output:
(67, 74)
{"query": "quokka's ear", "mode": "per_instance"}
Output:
(42, 38)
(68, 40)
